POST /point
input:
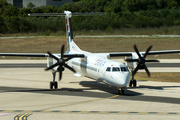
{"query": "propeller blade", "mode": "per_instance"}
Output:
(62, 51)
(131, 60)
(147, 71)
(51, 55)
(137, 51)
(147, 51)
(136, 69)
(152, 60)
(60, 75)
(51, 67)
(70, 68)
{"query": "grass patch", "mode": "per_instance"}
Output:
(95, 45)
(161, 77)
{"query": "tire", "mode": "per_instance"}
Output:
(55, 85)
(134, 83)
(51, 85)
(130, 83)
(121, 92)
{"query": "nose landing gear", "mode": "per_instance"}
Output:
(121, 91)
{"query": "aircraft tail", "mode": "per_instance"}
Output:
(71, 45)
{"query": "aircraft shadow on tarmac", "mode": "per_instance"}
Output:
(86, 91)
(156, 87)
(106, 88)
(93, 85)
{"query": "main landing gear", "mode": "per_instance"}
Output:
(60, 64)
(133, 82)
(53, 83)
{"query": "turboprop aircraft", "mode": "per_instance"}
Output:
(93, 65)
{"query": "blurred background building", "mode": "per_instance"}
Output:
(38, 3)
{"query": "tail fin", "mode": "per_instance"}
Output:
(69, 33)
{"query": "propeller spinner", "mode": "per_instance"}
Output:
(61, 63)
(141, 61)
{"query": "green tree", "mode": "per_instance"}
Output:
(3, 3)
(2, 25)
(30, 5)
(173, 4)
(130, 5)
(9, 11)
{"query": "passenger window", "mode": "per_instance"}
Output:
(108, 69)
(115, 69)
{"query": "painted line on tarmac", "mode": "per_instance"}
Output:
(26, 113)
(22, 116)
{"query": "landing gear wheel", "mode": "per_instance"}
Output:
(130, 83)
(51, 85)
(121, 92)
(55, 85)
(134, 83)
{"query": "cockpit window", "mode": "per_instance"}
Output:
(124, 69)
(108, 69)
(115, 69)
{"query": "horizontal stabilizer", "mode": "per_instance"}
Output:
(63, 14)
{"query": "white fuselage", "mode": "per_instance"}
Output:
(102, 69)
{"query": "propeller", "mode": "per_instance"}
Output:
(141, 61)
(61, 62)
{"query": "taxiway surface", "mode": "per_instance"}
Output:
(25, 94)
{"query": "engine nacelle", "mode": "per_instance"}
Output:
(51, 61)
(132, 65)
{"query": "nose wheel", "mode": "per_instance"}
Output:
(121, 91)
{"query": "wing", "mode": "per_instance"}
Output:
(161, 52)
(25, 54)
(142, 53)
(38, 55)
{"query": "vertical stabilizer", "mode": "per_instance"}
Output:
(71, 46)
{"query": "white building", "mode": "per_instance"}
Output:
(39, 3)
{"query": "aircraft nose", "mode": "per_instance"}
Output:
(123, 79)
